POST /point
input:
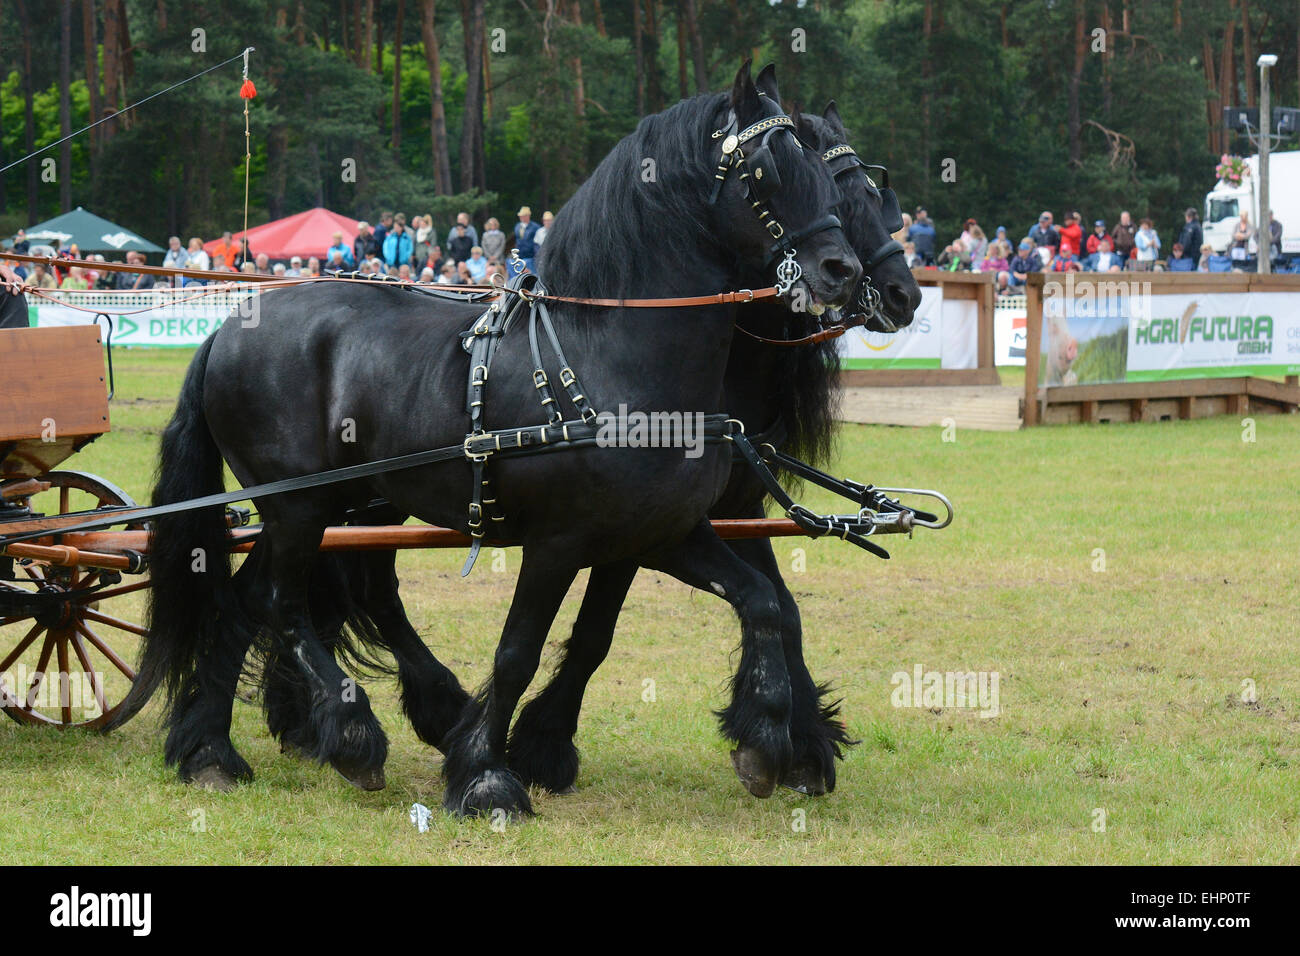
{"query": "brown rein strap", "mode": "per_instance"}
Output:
(720, 298)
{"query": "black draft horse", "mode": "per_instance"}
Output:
(798, 415)
(331, 374)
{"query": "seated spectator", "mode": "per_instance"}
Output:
(343, 249)
(1178, 262)
(134, 280)
(75, 279)
(313, 267)
(954, 258)
(404, 272)
(175, 256)
(460, 244)
(427, 275)
(1096, 236)
(249, 268)
(263, 264)
(997, 259)
(1000, 234)
(336, 263)
(901, 235)
(41, 278)
(910, 257)
(477, 265)
(197, 259)
(976, 242)
(1066, 261)
(1104, 259)
(1216, 263)
(1025, 261)
(447, 275)
(225, 257)
(1207, 251)
(295, 267)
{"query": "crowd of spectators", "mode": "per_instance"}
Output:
(1048, 247)
(416, 251)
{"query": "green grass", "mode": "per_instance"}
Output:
(1120, 689)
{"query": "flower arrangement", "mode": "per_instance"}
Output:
(1232, 169)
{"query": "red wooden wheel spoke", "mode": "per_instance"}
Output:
(116, 622)
(118, 591)
(32, 572)
(22, 646)
(43, 663)
(11, 620)
(79, 646)
(107, 651)
(65, 494)
(90, 575)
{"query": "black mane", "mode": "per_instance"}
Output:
(615, 222)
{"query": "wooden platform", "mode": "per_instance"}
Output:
(981, 407)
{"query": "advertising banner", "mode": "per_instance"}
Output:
(943, 334)
(175, 318)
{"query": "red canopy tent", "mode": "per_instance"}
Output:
(306, 234)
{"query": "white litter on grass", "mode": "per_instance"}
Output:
(420, 815)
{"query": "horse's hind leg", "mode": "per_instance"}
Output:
(475, 768)
(541, 747)
(816, 732)
(343, 729)
(758, 717)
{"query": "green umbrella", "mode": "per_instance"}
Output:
(91, 233)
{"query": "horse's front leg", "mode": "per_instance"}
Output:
(758, 717)
(816, 731)
(475, 771)
(541, 744)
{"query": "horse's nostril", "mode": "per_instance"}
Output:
(838, 269)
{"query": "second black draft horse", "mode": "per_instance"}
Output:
(335, 374)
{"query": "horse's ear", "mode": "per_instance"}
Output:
(744, 95)
(766, 83)
(832, 115)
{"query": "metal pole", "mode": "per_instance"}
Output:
(1265, 142)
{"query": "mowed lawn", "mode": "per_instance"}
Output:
(1128, 584)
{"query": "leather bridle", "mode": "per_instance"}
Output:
(758, 173)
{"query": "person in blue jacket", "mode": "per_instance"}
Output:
(525, 240)
(398, 246)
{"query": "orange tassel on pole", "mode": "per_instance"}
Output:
(248, 90)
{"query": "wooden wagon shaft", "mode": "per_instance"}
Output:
(103, 549)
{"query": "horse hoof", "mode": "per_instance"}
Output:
(366, 778)
(755, 771)
(490, 793)
(213, 777)
(805, 778)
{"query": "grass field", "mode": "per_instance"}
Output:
(1123, 582)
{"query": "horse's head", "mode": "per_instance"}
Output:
(870, 212)
(774, 200)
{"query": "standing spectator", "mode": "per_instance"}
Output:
(1124, 235)
(425, 237)
(1044, 234)
(21, 245)
(1242, 238)
(1072, 234)
(922, 235)
(1025, 262)
(175, 256)
(343, 249)
(494, 240)
(1191, 237)
(397, 245)
(1000, 235)
(226, 256)
(976, 242)
(525, 240)
(548, 217)
(1148, 246)
(381, 232)
(1095, 237)
(364, 245)
(901, 235)
(196, 257)
(1274, 237)
(462, 219)
(910, 257)
(460, 245)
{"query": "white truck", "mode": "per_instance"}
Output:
(1226, 202)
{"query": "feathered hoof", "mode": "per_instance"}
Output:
(363, 778)
(489, 792)
(805, 778)
(756, 771)
(212, 777)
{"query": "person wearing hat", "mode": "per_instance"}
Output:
(548, 217)
(1072, 234)
(1024, 262)
(1096, 236)
(1044, 234)
(525, 240)
(1191, 238)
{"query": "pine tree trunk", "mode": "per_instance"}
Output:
(398, 32)
(1248, 60)
(472, 174)
(438, 119)
(681, 49)
(1076, 77)
(65, 104)
(579, 87)
(92, 73)
(697, 46)
(654, 88)
(29, 117)
(637, 32)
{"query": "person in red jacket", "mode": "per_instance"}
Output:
(1096, 237)
(1071, 234)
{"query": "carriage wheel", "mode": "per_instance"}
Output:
(66, 665)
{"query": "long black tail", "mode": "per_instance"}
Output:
(193, 606)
